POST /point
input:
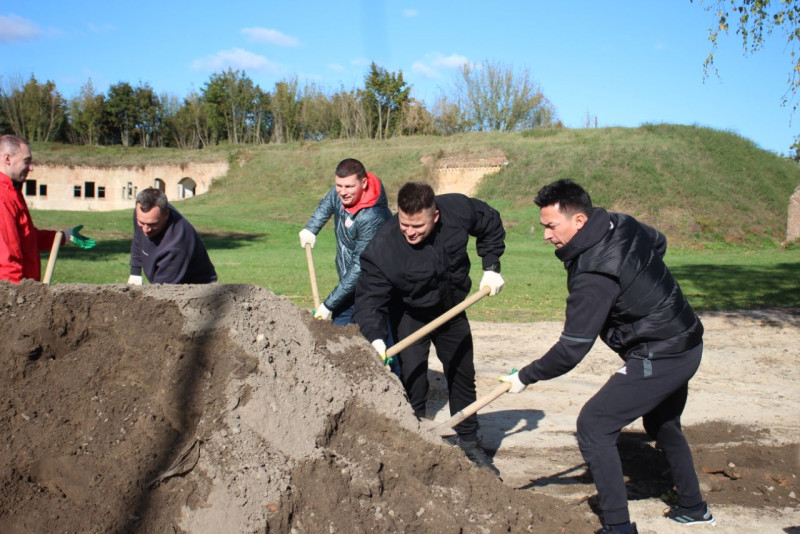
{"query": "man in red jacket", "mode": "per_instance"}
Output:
(20, 240)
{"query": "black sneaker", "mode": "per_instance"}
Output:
(477, 455)
(608, 529)
(690, 517)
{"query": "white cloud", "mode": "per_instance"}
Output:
(425, 71)
(453, 61)
(336, 67)
(360, 62)
(433, 64)
(101, 28)
(269, 36)
(236, 58)
(410, 13)
(15, 29)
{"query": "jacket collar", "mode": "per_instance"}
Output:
(593, 231)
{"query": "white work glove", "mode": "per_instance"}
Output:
(307, 237)
(322, 312)
(134, 280)
(493, 281)
(516, 384)
(380, 346)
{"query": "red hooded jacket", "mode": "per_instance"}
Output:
(20, 241)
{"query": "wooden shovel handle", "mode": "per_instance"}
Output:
(472, 408)
(313, 275)
(436, 323)
(51, 262)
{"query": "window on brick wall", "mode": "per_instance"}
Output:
(76, 191)
(30, 188)
(101, 191)
(88, 189)
(42, 190)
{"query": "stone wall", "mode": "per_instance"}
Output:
(463, 175)
(77, 188)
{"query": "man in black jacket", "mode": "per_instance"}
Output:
(621, 290)
(417, 268)
(166, 245)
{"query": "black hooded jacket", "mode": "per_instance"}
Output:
(621, 290)
(427, 279)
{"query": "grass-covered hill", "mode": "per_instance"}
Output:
(721, 201)
(700, 186)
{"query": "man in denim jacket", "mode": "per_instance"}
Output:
(359, 208)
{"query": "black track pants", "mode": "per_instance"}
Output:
(659, 399)
(453, 342)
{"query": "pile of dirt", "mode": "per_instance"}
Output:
(221, 408)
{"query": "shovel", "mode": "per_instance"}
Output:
(445, 428)
(313, 275)
(51, 262)
(436, 323)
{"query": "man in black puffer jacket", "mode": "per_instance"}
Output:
(621, 290)
(415, 269)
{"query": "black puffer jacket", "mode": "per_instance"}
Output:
(425, 280)
(621, 290)
(650, 315)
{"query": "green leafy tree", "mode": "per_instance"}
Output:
(387, 95)
(122, 111)
(178, 130)
(285, 112)
(495, 98)
(87, 113)
(755, 20)
(260, 117)
(231, 98)
(148, 116)
(34, 111)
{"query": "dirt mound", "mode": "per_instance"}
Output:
(221, 408)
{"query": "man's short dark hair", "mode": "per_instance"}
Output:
(10, 144)
(148, 198)
(414, 197)
(570, 197)
(348, 167)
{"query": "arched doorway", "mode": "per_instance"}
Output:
(186, 188)
(160, 185)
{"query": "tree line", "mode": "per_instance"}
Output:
(231, 108)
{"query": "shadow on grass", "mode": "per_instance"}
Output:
(108, 248)
(738, 287)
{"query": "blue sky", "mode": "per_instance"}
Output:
(624, 62)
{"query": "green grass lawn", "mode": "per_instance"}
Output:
(268, 254)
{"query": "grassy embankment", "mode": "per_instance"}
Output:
(721, 201)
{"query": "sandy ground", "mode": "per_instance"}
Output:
(216, 409)
(745, 399)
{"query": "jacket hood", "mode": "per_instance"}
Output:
(370, 197)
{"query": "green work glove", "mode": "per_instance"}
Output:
(78, 240)
(380, 346)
